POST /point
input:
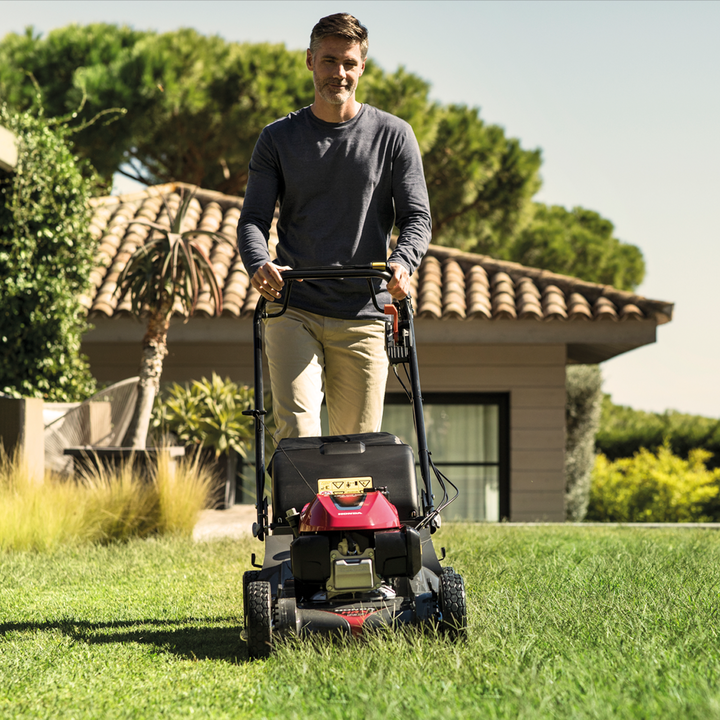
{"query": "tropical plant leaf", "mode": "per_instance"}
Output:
(170, 267)
(208, 413)
(148, 223)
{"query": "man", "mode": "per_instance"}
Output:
(344, 173)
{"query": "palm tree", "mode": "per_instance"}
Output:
(167, 270)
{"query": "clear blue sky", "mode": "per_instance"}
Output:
(622, 97)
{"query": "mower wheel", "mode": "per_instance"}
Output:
(453, 608)
(259, 619)
(248, 577)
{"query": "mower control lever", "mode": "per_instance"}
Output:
(398, 338)
(392, 312)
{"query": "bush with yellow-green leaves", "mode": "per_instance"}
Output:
(654, 487)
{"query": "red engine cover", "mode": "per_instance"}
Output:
(368, 511)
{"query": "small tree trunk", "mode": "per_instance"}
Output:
(153, 355)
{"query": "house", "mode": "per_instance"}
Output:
(494, 339)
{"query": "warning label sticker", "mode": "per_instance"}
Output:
(345, 486)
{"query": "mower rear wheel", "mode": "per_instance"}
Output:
(248, 577)
(259, 619)
(453, 607)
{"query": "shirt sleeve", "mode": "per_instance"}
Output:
(412, 206)
(264, 180)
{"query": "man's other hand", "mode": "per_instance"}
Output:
(399, 285)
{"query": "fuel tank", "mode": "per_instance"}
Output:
(363, 511)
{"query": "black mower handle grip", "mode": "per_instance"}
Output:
(378, 270)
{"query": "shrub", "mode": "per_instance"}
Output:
(207, 414)
(582, 415)
(623, 431)
(652, 487)
(46, 255)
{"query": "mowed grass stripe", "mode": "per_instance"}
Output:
(564, 622)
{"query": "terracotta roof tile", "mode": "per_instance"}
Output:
(453, 290)
(478, 293)
(553, 303)
(429, 297)
(604, 309)
(631, 312)
(448, 284)
(578, 307)
(527, 300)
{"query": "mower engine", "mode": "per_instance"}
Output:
(351, 543)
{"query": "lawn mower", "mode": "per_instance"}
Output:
(349, 544)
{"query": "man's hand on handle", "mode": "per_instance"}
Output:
(268, 281)
(399, 285)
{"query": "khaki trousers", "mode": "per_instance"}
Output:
(310, 356)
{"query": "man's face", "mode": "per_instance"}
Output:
(336, 67)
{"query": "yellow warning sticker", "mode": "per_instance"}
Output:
(345, 486)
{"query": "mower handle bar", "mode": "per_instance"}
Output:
(374, 270)
(378, 270)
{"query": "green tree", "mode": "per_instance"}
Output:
(196, 105)
(624, 431)
(166, 270)
(61, 64)
(480, 182)
(576, 242)
(211, 100)
(46, 255)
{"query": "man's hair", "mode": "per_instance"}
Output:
(340, 25)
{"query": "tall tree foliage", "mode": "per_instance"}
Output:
(624, 431)
(563, 240)
(196, 105)
(480, 182)
(63, 64)
(46, 254)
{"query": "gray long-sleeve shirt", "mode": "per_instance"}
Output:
(341, 188)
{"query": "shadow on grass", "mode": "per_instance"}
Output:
(192, 639)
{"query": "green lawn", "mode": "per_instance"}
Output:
(564, 622)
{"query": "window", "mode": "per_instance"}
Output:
(468, 436)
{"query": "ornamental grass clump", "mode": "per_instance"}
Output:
(652, 487)
(38, 515)
(99, 507)
(182, 491)
(118, 504)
